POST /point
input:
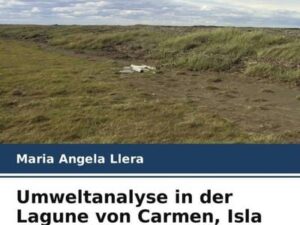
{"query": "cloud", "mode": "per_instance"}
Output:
(35, 10)
(82, 8)
(10, 3)
(272, 13)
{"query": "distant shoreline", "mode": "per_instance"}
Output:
(151, 25)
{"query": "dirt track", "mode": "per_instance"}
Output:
(252, 104)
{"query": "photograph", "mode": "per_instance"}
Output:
(149, 72)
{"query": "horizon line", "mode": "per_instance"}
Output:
(150, 25)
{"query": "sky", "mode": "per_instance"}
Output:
(257, 13)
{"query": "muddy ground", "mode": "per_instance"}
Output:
(254, 104)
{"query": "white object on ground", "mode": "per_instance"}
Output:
(139, 69)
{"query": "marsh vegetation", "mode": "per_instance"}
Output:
(60, 84)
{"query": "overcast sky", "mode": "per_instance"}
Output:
(270, 13)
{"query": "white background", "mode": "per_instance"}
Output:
(278, 199)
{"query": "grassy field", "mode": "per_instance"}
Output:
(60, 84)
(272, 53)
